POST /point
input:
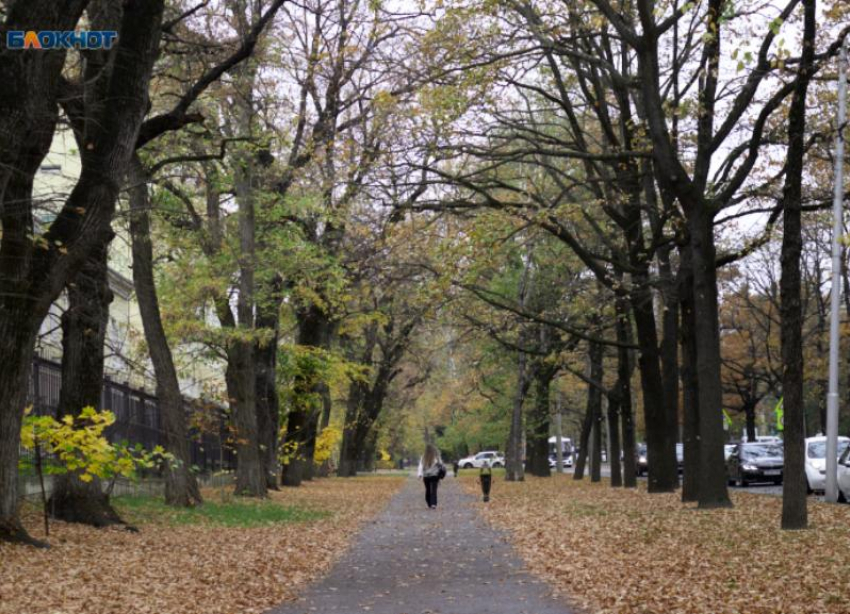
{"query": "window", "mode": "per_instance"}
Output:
(151, 414)
(117, 405)
(752, 451)
(817, 449)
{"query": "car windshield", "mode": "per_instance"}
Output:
(761, 450)
(642, 450)
(817, 449)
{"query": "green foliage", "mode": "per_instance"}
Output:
(302, 368)
(77, 444)
(235, 513)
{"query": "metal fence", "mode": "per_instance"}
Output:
(137, 417)
(30, 488)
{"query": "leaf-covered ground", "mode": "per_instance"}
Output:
(628, 552)
(204, 565)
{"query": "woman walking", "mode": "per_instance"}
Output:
(430, 468)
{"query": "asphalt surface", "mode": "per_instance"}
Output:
(414, 560)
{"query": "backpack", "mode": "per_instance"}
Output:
(441, 470)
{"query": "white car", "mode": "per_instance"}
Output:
(844, 475)
(567, 458)
(816, 461)
(477, 461)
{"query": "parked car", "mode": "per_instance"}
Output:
(553, 461)
(816, 461)
(727, 450)
(755, 462)
(641, 464)
(477, 461)
(844, 476)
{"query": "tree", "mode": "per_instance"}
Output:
(84, 324)
(181, 487)
(36, 264)
(546, 156)
(794, 506)
(396, 301)
(748, 348)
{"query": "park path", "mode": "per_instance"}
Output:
(413, 560)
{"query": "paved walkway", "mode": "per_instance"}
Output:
(412, 560)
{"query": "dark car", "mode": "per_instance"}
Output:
(641, 464)
(755, 462)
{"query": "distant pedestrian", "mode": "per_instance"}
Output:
(431, 470)
(485, 478)
(456, 466)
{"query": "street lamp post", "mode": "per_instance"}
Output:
(835, 291)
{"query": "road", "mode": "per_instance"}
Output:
(415, 560)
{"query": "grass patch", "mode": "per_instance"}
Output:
(233, 513)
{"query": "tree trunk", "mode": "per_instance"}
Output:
(712, 491)
(268, 404)
(593, 409)
(750, 416)
(670, 344)
(241, 387)
(310, 442)
(594, 406)
(84, 325)
(17, 341)
(268, 410)
(660, 436)
(794, 503)
(584, 440)
(690, 382)
(596, 445)
(314, 330)
(181, 487)
(514, 470)
(351, 439)
(625, 367)
(537, 426)
(614, 441)
(251, 478)
(369, 454)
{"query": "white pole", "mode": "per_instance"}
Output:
(835, 291)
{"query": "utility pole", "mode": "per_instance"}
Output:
(835, 291)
